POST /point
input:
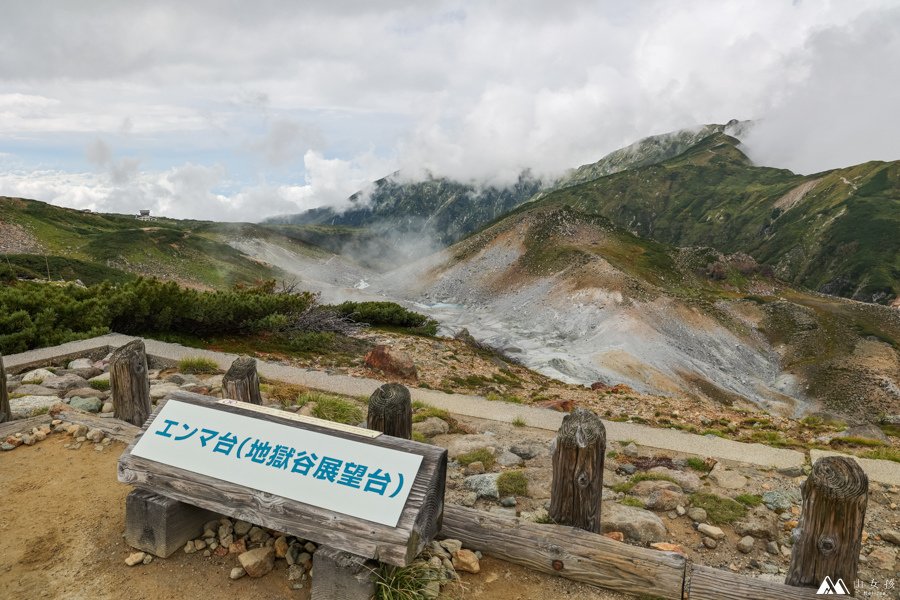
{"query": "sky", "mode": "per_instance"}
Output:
(227, 110)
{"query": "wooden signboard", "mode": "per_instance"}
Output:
(352, 489)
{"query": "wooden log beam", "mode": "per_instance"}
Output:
(130, 383)
(390, 411)
(5, 410)
(706, 583)
(393, 545)
(22, 425)
(568, 552)
(241, 382)
(831, 524)
(161, 525)
(341, 576)
(111, 427)
(577, 487)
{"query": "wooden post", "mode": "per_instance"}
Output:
(241, 381)
(577, 486)
(130, 383)
(831, 524)
(341, 576)
(390, 411)
(161, 525)
(5, 410)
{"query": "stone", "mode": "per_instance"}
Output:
(242, 527)
(189, 547)
(237, 573)
(103, 377)
(296, 572)
(711, 531)
(466, 560)
(29, 406)
(469, 499)
(745, 545)
(637, 524)
(772, 548)
(467, 443)
(528, 450)
(65, 382)
(710, 543)
(666, 547)
(664, 499)
(689, 482)
(627, 469)
(630, 450)
(474, 468)
(107, 407)
(794, 471)
(776, 500)
(508, 501)
(642, 489)
(199, 545)
(883, 559)
(280, 547)
(309, 547)
(81, 363)
(558, 405)
(757, 527)
(258, 562)
(484, 486)
(257, 535)
(95, 435)
(32, 389)
(509, 459)
(392, 362)
(238, 546)
(158, 392)
(680, 510)
(431, 590)
(892, 536)
(135, 559)
(87, 393)
(726, 478)
(37, 376)
(431, 427)
(451, 546)
(867, 431)
(92, 405)
(148, 559)
(615, 535)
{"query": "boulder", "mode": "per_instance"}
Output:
(664, 499)
(92, 405)
(484, 486)
(29, 406)
(258, 562)
(884, 559)
(745, 545)
(87, 392)
(431, 427)
(892, 536)
(637, 524)
(867, 432)
(467, 443)
(37, 376)
(528, 450)
(509, 459)
(160, 391)
(689, 482)
(757, 528)
(100, 378)
(392, 362)
(465, 560)
(643, 489)
(777, 500)
(33, 389)
(81, 363)
(726, 478)
(711, 531)
(65, 382)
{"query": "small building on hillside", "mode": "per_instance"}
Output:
(145, 216)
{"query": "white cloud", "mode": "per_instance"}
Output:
(205, 96)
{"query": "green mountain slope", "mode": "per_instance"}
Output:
(836, 231)
(94, 247)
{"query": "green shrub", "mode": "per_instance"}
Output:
(426, 412)
(512, 483)
(100, 384)
(334, 408)
(388, 314)
(197, 366)
(482, 455)
(719, 510)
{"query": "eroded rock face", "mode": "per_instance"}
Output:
(392, 362)
(637, 524)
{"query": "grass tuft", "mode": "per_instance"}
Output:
(482, 455)
(632, 501)
(512, 483)
(100, 384)
(334, 408)
(749, 500)
(719, 510)
(518, 422)
(698, 464)
(404, 583)
(197, 366)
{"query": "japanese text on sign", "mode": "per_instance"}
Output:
(346, 476)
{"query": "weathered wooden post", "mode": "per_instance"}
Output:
(241, 382)
(5, 410)
(831, 524)
(130, 383)
(390, 411)
(577, 487)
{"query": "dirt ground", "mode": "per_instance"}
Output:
(61, 523)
